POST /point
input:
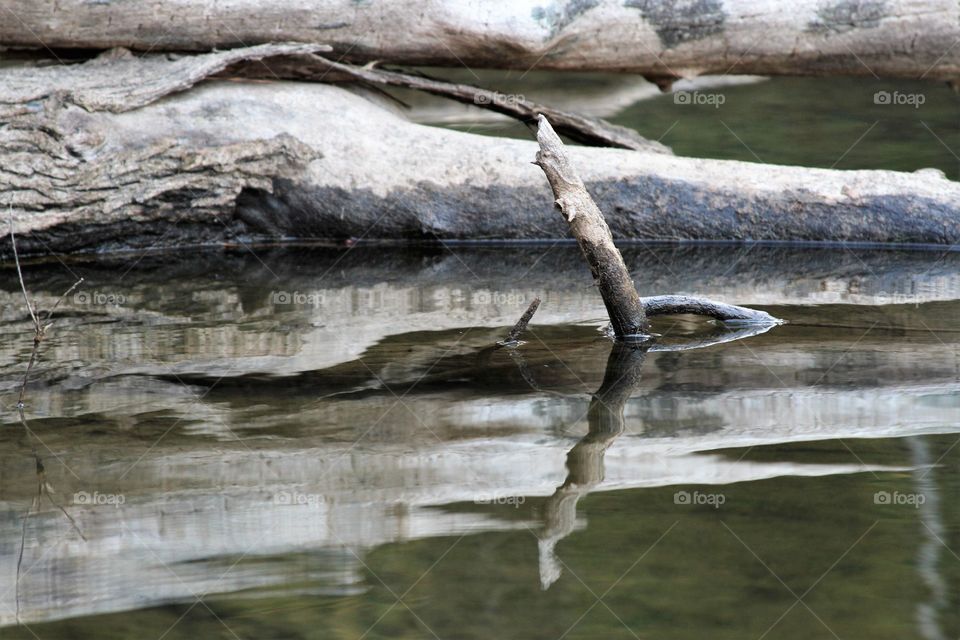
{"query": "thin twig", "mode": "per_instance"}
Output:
(43, 487)
(23, 287)
(514, 336)
(39, 328)
(59, 300)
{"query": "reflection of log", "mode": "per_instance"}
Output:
(102, 163)
(585, 459)
(652, 37)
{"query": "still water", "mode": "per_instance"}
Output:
(325, 443)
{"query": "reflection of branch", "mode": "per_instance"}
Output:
(605, 417)
(719, 335)
(585, 459)
(43, 487)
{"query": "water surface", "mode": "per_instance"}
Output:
(324, 442)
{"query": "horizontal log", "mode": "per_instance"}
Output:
(104, 163)
(657, 38)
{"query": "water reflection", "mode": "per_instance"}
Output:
(265, 461)
(585, 469)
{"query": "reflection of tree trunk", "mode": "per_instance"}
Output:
(585, 459)
(928, 552)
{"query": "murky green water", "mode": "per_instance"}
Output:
(322, 443)
(843, 123)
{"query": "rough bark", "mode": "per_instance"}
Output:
(657, 38)
(593, 235)
(111, 160)
(62, 168)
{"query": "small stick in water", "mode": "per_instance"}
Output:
(521, 326)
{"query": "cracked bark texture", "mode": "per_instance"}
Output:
(126, 154)
(662, 39)
(65, 163)
(593, 235)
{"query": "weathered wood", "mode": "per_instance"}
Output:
(668, 305)
(522, 323)
(592, 131)
(593, 235)
(65, 162)
(103, 162)
(659, 38)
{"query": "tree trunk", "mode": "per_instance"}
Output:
(657, 38)
(112, 159)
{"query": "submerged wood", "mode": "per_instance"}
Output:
(522, 323)
(662, 39)
(592, 234)
(628, 313)
(669, 305)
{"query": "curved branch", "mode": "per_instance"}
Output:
(731, 314)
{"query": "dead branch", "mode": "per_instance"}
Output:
(731, 314)
(592, 233)
(628, 313)
(514, 336)
(583, 129)
(44, 489)
(102, 163)
(660, 39)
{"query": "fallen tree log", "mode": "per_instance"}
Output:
(120, 155)
(662, 39)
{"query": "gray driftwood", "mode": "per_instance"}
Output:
(127, 152)
(666, 305)
(65, 163)
(592, 234)
(592, 131)
(662, 39)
